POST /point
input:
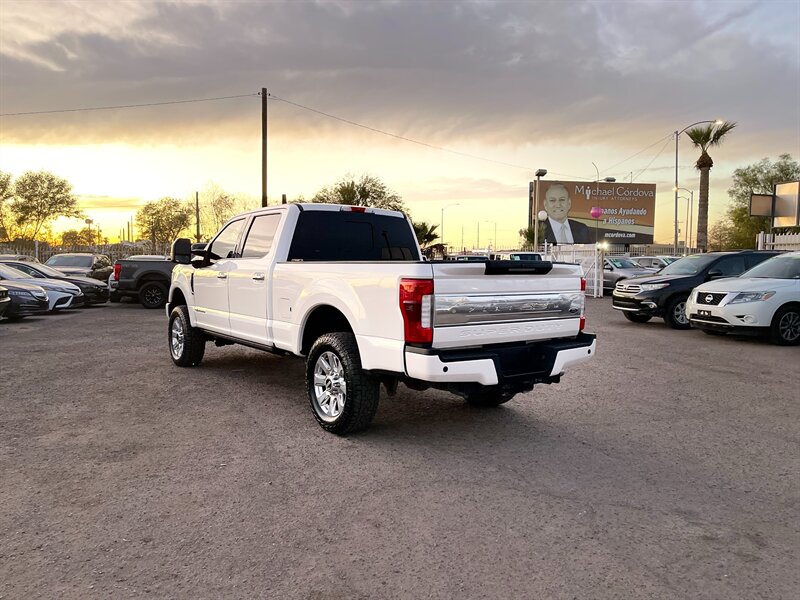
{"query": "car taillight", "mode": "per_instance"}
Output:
(416, 305)
(583, 324)
(117, 269)
(356, 209)
(583, 284)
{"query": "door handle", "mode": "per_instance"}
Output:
(258, 276)
(222, 275)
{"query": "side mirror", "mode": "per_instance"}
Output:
(714, 274)
(181, 251)
(607, 268)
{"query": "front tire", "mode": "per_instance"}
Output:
(343, 397)
(675, 315)
(187, 344)
(634, 318)
(153, 294)
(785, 327)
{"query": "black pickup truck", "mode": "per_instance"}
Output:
(144, 277)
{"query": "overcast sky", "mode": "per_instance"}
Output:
(535, 84)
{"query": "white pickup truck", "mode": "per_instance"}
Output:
(347, 288)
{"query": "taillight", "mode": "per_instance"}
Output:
(416, 305)
(583, 284)
(356, 209)
(117, 269)
(583, 324)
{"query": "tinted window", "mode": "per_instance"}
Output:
(259, 238)
(224, 245)
(730, 266)
(622, 263)
(25, 269)
(756, 259)
(343, 235)
(10, 273)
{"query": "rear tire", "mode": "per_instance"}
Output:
(344, 398)
(634, 318)
(675, 314)
(489, 398)
(153, 294)
(785, 327)
(187, 344)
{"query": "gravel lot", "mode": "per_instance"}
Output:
(668, 468)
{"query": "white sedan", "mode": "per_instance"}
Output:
(764, 299)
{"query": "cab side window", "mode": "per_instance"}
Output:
(261, 235)
(224, 245)
(730, 266)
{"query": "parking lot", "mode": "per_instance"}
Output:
(668, 467)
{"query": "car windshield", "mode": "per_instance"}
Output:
(777, 267)
(7, 272)
(623, 263)
(48, 271)
(65, 260)
(668, 260)
(689, 265)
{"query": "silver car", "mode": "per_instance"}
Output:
(617, 268)
(655, 262)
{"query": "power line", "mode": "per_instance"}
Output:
(607, 169)
(66, 110)
(653, 160)
(400, 137)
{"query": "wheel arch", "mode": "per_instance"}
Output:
(322, 319)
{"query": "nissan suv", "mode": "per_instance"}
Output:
(664, 294)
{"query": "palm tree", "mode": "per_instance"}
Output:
(425, 233)
(704, 138)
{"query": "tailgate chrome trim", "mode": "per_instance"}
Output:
(451, 310)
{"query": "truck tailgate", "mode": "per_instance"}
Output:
(473, 308)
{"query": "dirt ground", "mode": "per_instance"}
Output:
(669, 467)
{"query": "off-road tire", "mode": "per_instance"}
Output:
(634, 318)
(153, 294)
(194, 340)
(489, 398)
(670, 317)
(784, 328)
(362, 389)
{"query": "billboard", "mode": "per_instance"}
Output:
(627, 217)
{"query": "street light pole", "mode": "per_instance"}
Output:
(539, 174)
(494, 241)
(689, 215)
(677, 137)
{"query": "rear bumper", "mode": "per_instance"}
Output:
(538, 362)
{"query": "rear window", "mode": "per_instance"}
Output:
(65, 260)
(351, 236)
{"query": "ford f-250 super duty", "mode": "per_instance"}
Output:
(347, 288)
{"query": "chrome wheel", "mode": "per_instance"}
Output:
(679, 313)
(789, 327)
(176, 339)
(330, 387)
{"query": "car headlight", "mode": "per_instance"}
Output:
(751, 297)
(39, 295)
(18, 293)
(649, 287)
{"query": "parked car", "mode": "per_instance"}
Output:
(5, 301)
(518, 256)
(61, 294)
(655, 262)
(26, 300)
(765, 299)
(346, 287)
(96, 266)
(664, 294)
(94, 292)
(145, 278)
(23, 257)
(617, 268)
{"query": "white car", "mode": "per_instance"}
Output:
(765, 299)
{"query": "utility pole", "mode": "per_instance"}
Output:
(197, 214)
(263, 146)
(129, 231)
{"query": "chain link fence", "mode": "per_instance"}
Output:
(42, 251)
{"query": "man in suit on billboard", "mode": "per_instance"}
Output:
(558, 228)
